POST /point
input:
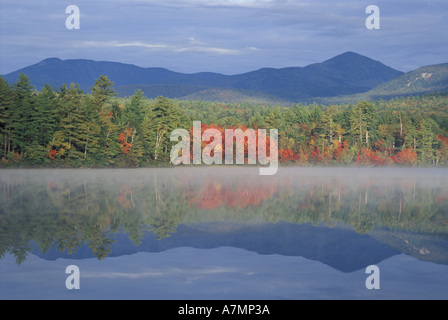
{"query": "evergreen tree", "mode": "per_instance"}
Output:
(328, 124)
(46, 116)
(133, 114)
(162, 119)
(6, 106)
(362, 123)
(426, 140)
(72, 123)
(22, 114)
(102, 91)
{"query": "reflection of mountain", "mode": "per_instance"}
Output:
(339, 247)
(422, 247)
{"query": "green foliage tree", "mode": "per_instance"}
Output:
(24, 130)
(134, 111)
(6, 106)
(102, 91)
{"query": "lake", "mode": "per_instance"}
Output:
(224, 233)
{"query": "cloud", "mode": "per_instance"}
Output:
(220, 35)
(118, 44)
(194, 46)
(206, 3)
(203, 49)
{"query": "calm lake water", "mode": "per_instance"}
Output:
(224, 233)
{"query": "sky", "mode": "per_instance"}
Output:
(224, 36)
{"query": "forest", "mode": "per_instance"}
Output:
(68, 128)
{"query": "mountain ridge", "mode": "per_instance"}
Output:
(344, 74)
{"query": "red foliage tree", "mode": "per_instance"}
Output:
(339, 152)
(442, 153)
(368, 157)
(406, 157)
(125, 147)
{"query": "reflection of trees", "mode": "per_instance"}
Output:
(99, 241)
(56, 212)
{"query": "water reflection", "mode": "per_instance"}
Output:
(405, 210)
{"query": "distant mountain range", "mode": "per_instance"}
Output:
(349, 75)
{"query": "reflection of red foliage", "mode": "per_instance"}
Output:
(52, 185)
(214, 195)
(442, 198)
(123, 198)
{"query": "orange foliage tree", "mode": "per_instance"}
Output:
(407, 157)
(125, 147)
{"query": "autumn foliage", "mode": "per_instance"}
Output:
(125, 147)
(406, 157)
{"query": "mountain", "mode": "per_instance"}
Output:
(55, 72)
(422, 80)
(428, 79)
(345, 74)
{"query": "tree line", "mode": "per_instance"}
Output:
(67, 127)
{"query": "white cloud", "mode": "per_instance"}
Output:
(208, 3)
(193, 46)
(203, 49)
(118, 44)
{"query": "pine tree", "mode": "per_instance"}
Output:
(22, 114)
(89, 130)
(46, 117)
(426, 140)
(133, 114)
(362, 123)
(72, 108)
(6, 106)
(328, 124)
(159, 122)
(102, 91)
